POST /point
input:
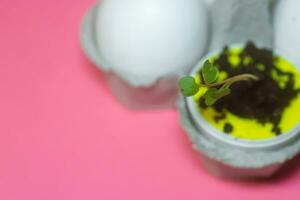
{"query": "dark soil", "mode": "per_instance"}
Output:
(228, 128)
(262, 100)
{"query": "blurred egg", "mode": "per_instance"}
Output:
(209, 2)
(143, 40)
(287, 30)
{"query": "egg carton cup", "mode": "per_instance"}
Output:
(232, 158)
(286, 29)
(238, 21)
(133, 93)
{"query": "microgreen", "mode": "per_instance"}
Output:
(209, 72)
(188, 86)
(215, 89)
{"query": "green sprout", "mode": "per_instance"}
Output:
(215, 89)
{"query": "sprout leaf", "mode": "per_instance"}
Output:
(210, 72)
(188, 86)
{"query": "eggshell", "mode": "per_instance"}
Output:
(143, 40)
(287, 30)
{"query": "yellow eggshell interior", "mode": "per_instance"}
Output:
(248, 128)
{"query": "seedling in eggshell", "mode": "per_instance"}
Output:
(215, 89)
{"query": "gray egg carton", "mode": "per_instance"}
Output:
(232, 21)
(237, 21)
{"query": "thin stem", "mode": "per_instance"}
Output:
(229, 81)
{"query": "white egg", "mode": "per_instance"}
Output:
(287, 30)
(143, 40)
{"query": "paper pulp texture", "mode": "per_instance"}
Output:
(238, 21)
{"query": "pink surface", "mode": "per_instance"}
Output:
(63, 135)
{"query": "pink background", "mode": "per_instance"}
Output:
(63, 135)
